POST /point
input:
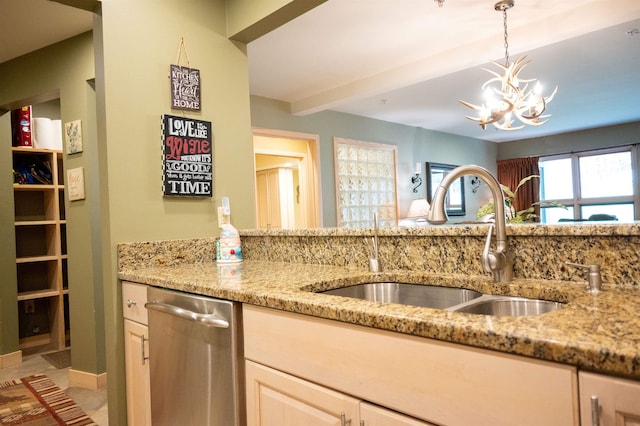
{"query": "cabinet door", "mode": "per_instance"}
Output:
(278, 399)
(275, 198)
(372, 415)
(137, 373)
(268, 199)
(262, 190)
(286, 199)
(618, 400)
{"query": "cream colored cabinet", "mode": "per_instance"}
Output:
(136, 349)
(609, 401)
(278, 399)
(275, 197)
(275, 398)
(425, 379)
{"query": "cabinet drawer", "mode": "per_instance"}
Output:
(134, 296)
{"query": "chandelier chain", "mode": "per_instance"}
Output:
(506, 38)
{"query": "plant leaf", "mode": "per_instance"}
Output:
(523, 181)
(507, 192)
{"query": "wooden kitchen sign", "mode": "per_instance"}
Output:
(187, 159)
(185, 88)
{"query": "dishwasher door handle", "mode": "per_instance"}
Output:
(206, 319)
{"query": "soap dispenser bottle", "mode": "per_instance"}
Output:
(230, 249)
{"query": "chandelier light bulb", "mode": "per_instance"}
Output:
(537, 89)
(484, 113)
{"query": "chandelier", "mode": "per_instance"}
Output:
(508, 97)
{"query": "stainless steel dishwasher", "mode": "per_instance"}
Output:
(195, 359)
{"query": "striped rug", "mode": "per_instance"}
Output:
(37, 401)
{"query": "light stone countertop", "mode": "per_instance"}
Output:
(595, 332)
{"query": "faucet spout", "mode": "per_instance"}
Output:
(374, 261)
(500, 261)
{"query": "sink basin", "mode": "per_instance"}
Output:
(450, 298)
(509, 306)
(426, 296)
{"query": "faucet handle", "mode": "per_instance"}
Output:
(594, 278)
(484, 257)
(491, 261)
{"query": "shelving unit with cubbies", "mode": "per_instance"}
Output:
(41, 254)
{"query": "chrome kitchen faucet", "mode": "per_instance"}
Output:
(498, 262)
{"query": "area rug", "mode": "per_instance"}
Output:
(37, 401)
(60, 359)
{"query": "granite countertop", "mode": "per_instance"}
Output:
(595, 332)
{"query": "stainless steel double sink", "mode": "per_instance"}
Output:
(448, 298)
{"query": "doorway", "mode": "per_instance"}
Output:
(287, 176)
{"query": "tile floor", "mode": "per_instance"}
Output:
(93, 402)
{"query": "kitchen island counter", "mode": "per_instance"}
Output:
(595, 332)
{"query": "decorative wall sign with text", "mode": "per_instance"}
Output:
(75, 184)
(185, 88)
(187, 159)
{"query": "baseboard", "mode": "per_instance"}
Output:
(87, 380)
(11, 359)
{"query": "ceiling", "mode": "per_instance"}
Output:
(410, 61)
(28, 25)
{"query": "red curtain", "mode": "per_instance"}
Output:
(511, 172)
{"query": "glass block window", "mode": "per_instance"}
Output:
(365, 183)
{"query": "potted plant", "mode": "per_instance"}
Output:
(514, 216)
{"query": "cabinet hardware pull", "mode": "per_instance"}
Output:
(144, 357)
(130, 303)
(595, 411)
(343, 419)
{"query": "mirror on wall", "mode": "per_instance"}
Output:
(454, 202)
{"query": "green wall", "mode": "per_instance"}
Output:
(414, 145)
(9, 281)
(135, 44)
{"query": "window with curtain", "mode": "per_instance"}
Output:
(511, 172)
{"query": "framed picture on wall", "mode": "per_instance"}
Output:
(73, 136)
(454, 201)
